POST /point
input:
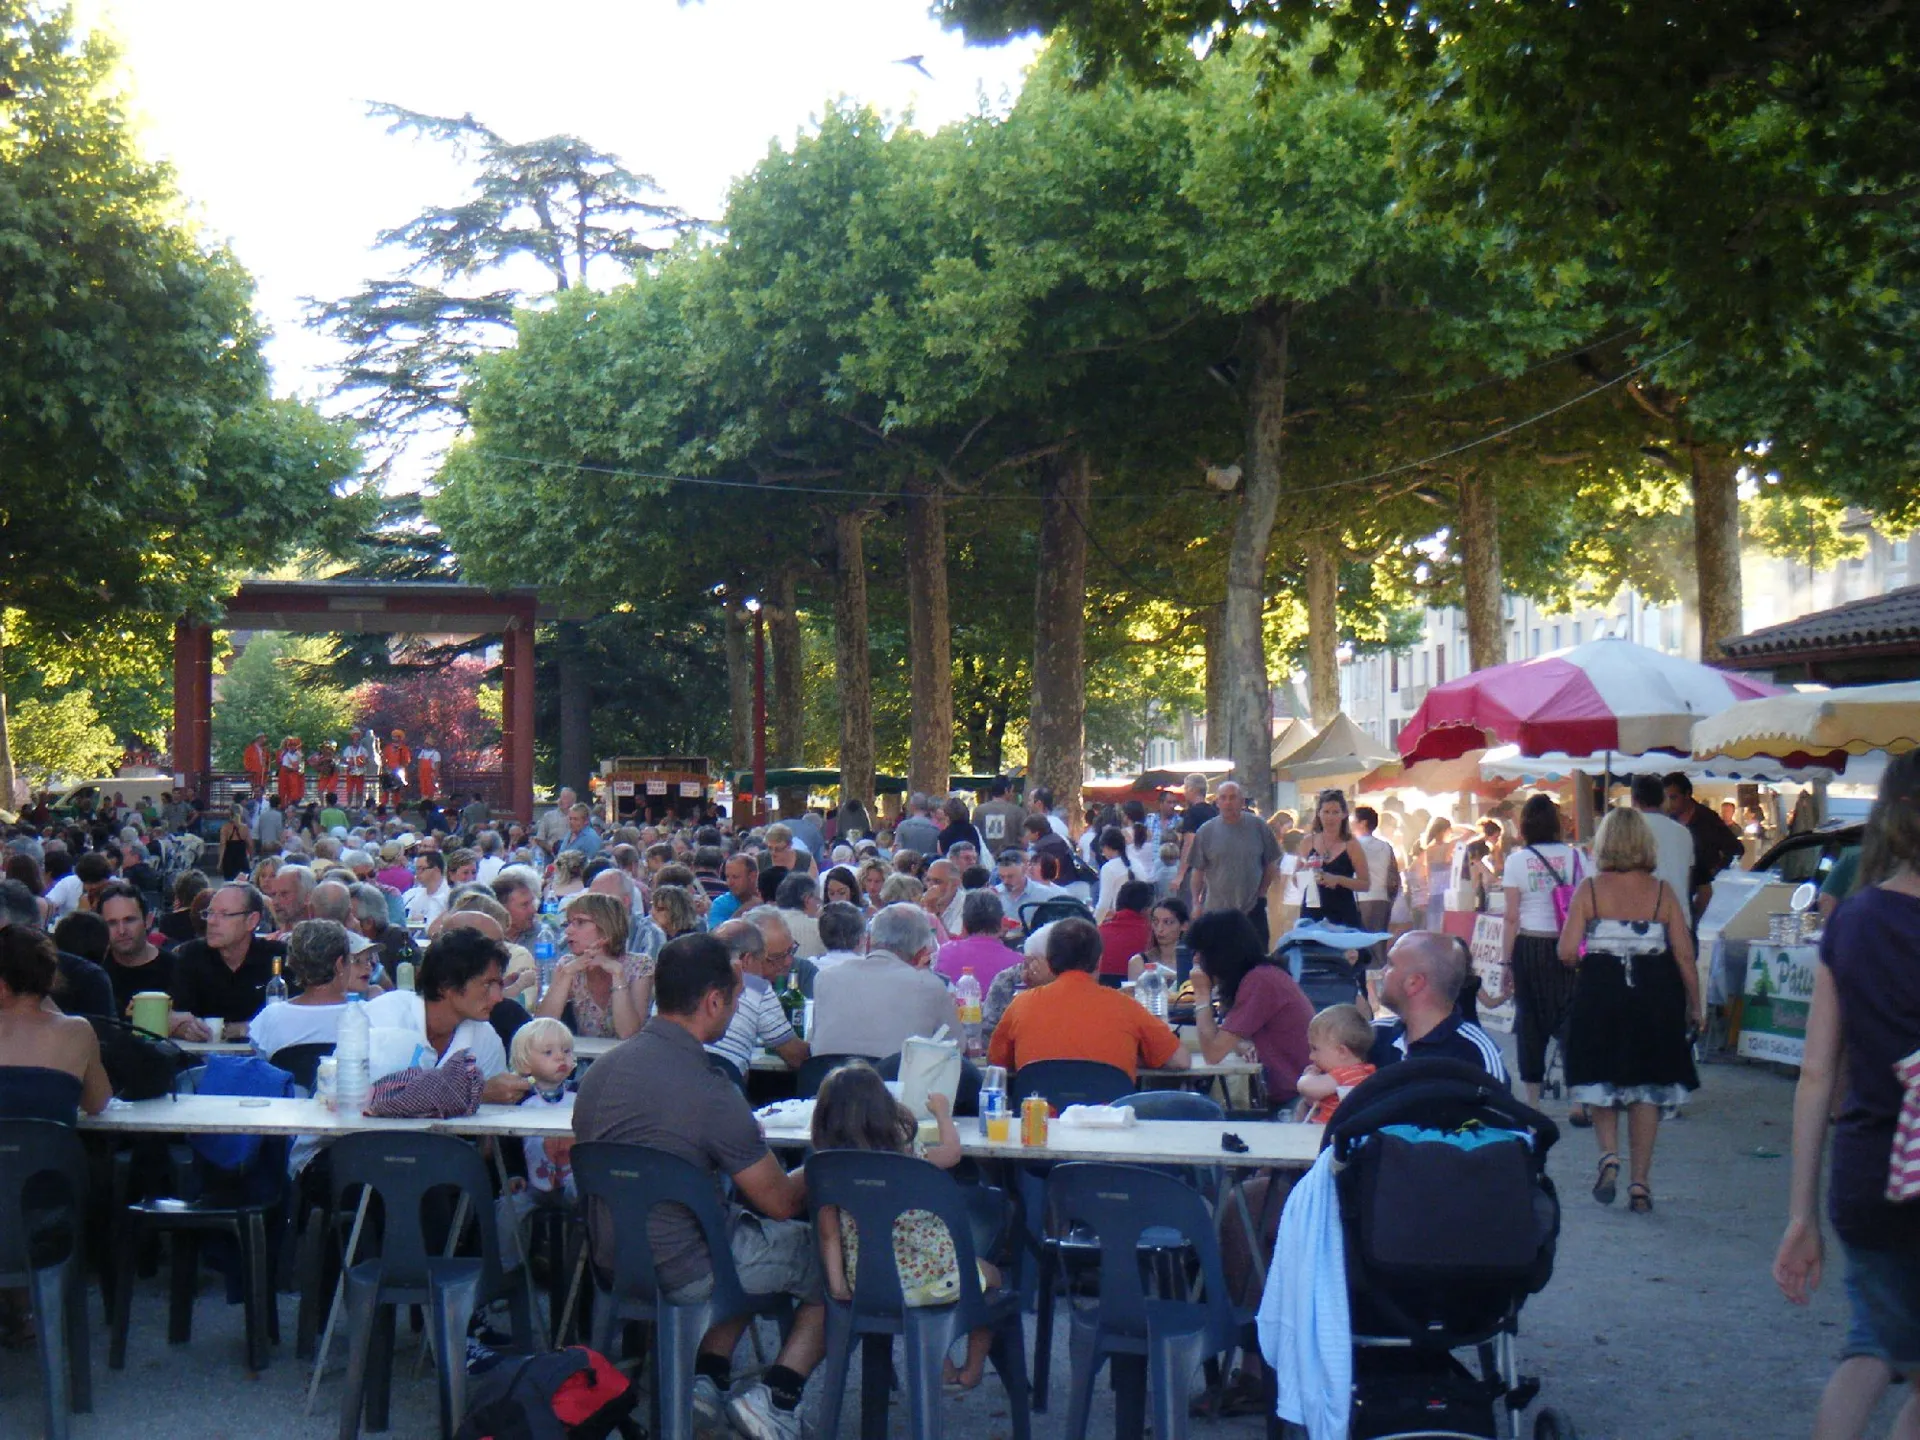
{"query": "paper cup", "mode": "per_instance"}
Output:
(216, 1027)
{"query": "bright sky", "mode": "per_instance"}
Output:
(262, 108)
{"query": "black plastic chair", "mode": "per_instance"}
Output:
(43, 1204)
(302, 1061)
(1160, 1332)
(1073, 1252)
(807, 1080)
(409, 1175)
(1069, 1082)
(873, 1189)
(1060, 1083)
(186, 1215)
(631, 1180)
(1174, 1105)
(735, 1076)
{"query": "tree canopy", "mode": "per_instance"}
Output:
(142, 460)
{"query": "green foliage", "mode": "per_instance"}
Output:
(62, 739)
(124, 669)
(277, 684)
(1808, 529)
(556, 201)
(145, 465)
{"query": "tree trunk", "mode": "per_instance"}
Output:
(1056, 728)
(575, 757)
(9, 798)
(1216, 623)
(1480, 572)
(740, 687)
(1716, 543)
(852, 666)
(1247, 704)
(929, 642)
(1323, 633)
(788, 741)
(788, 722)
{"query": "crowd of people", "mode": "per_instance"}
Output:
(706, 944)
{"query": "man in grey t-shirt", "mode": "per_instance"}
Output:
(1233, 858)
(659, 1091)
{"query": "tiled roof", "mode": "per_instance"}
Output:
(1879, 624)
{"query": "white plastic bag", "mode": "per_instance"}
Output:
(928, 1066)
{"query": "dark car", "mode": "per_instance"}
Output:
(1810, 854)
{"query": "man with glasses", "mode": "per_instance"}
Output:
(1018, 883)
(225, 975)
(762, 950)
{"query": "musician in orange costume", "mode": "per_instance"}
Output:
(257, 761)
(293, 772)
(398, 756)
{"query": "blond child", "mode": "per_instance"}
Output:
(543, 1053)
(855, 1111)
(1338, 1039)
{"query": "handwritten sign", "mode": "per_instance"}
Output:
(1489, 963)
(690, 789)
(623, 787)
(656, 787)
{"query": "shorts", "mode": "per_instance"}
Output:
(1883, 1294)
(773, 1257)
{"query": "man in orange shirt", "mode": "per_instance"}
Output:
(1073, 1017)
(398, 757)
(257, 760)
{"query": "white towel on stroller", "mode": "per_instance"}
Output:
(1306, 1330)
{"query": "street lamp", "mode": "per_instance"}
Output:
(759, 706)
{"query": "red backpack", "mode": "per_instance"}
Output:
(571, 1394)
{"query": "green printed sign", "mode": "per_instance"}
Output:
(1779, 990)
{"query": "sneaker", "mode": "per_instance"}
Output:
(756, 1416)
(709, 1404)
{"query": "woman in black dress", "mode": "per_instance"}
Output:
(1336, 863)
(1634, 995)
(236, 846)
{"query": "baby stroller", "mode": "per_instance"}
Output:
(1323, 972)
(1450, 1223)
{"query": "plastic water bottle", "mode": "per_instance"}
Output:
(545, 956)
(967, 991)
(351, 1077)
(1151, 989)
(276, 987)
(403, 975)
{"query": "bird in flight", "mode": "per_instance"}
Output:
(913, 62)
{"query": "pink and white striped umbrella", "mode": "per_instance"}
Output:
(1600, 696)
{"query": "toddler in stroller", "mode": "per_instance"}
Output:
(1433, 1187)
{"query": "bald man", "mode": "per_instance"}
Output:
(1425, 974)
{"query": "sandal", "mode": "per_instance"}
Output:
(1580, 1118)
(1604, 1187)
(1639, 1199)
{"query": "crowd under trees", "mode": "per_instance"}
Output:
(1026, 433)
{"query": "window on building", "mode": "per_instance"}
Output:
(1439, 664)
(1556, 637)
(1534, 649)
(1393, 731)
(1576, 632)
(1426, 671)
(1393, 674)
(1461, 665)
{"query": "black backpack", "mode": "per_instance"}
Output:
(571, 1394)
(139, 1065)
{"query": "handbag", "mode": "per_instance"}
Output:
(1903, 1163)
(1563, 890)
(139, 1066)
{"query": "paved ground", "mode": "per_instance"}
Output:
(1660, 1327)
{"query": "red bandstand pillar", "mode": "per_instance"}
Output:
(516, 742)
(193, 705)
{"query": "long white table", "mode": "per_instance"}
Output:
(1149, 1142)
(588, 1047)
